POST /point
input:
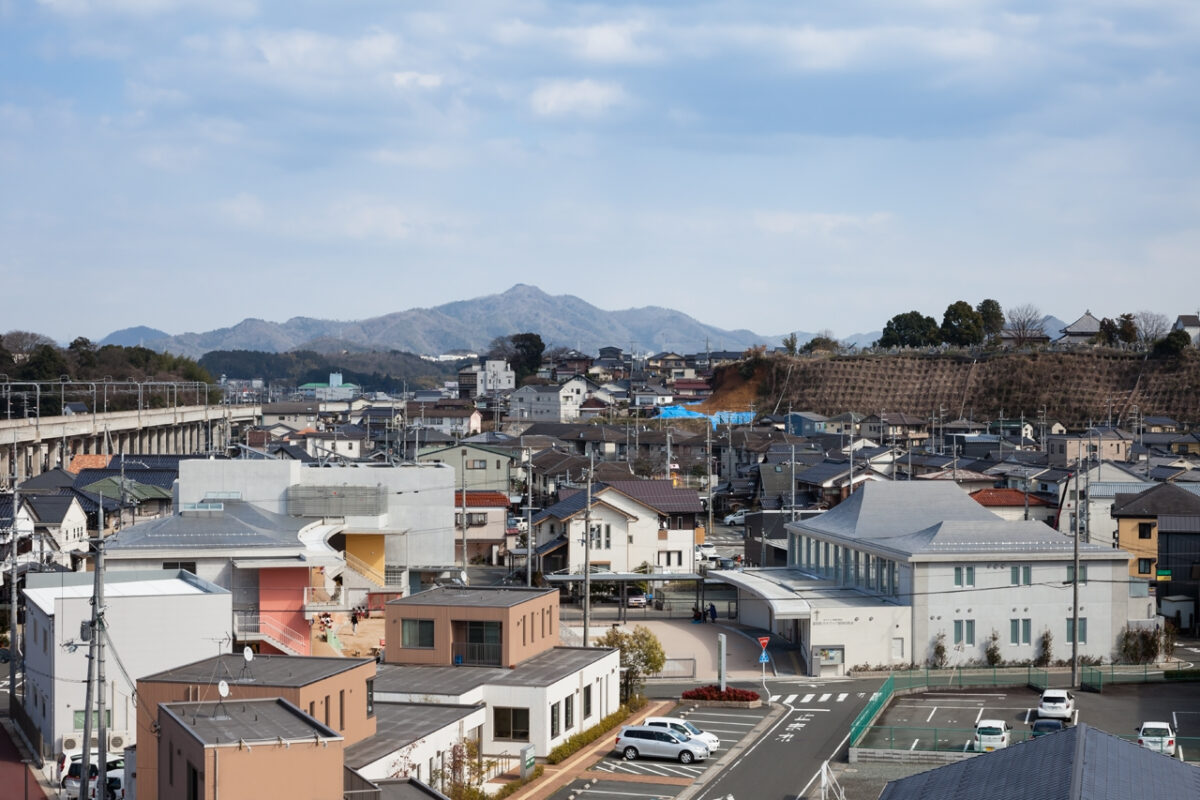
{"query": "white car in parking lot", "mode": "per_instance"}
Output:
(991, 734)
(1157, 736)
(1056, 704)
(685, 728)
(642, 740)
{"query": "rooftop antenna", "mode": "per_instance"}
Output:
(247, 656)
(223, 690)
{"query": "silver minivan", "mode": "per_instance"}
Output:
(643, 740)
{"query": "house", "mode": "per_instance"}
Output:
(484, 528)
(1098, 444)
(896, 427)
(142, 613)
(1014, 505)
(1099, 487)
(549, 403)
(60, 520)
(1082, 331)
(75, 409)
(1079, 763)
(327, 700)
(805, 423)
(1189, 324)
(633, 522)
(1160, 528)
(476, 466)
(455, 418)
(490, 378)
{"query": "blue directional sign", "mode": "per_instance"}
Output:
(764, 658)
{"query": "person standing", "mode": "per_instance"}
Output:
(712, 612)
(354, 621)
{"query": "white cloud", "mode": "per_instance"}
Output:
(586, 97)
(243, 209)
(816, 223)
(431, 157)
(611, 42)
(416, 80)
(369, 218)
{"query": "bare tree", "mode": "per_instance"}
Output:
(1151, 327)
(1024, 324)
(25, 342)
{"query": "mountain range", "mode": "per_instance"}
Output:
(471, 325)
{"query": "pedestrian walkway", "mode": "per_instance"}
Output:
(811, 697)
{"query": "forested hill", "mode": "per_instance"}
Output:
(1072, 387)
(388, 371)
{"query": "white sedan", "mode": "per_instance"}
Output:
(1056, 704)
(706, 550)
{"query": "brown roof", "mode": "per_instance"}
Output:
(88, 461)
(1006, 498)
(482, 499)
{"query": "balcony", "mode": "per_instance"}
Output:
(476, 655)
(318, 598)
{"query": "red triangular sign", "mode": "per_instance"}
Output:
(763, 641)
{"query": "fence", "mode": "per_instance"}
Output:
(957, 677)
(1095, 678)
(917, 739)
(877, 703)
(677, 668)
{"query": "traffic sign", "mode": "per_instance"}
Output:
(763, 641)
(764, 658)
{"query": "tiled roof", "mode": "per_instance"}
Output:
(162, 478)
(49, 508)
(87, 461)
(660, 495)
(1006, 498)
(481, 499)
(1166, 498)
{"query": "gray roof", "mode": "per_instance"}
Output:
(398, 725)
(50, 508)
(1079, 763)
(552, 665)
(238, 524)
(406, 789)
(253, 721)
(455, 681)
(264, 670)
(487, 597)
(1165, 498)
(934, 518)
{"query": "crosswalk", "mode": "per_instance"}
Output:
(809, 698)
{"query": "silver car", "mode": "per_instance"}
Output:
(643, 740)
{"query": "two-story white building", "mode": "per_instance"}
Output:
(549, 403)
(904, 571)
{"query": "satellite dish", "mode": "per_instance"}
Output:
(223, 689)
(247, 654)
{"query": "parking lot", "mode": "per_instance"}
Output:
(945, 719)
(730, 724)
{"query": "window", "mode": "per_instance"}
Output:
(607, 537)
(555, 726)
(1082, 573)
(1144, 565)
(416, 633)
(1082, 630)
(1019, 631)
(190, 566)
(569, 712)
(1145, 529)
(1021, 575)
(474, 519)
(964, 631)
(476, 463)
(964, 576)
(511, 724)
(587, 702)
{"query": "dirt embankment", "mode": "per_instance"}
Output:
(1074, 388)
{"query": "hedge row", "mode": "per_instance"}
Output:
(582, 739)
(510, 788)
(1182, 675)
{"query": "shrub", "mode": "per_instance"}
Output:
(578, 741)
(713, 692)
(1046, 656)
(511, 788)
(992, 651)
(938, 659)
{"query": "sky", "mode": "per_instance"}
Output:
(186, 164)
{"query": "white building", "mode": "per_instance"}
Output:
(143, 612)
(898, 569)
(554, 403)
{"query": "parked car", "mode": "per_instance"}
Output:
(991, 734)
(1157, 736)
(1041, 727)
(1056, 704)
(705, 550)
(635, 598)
(736, 518)
(642, 740)
(685, 728)
(116, 787)
(70, 779)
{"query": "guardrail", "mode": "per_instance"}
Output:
(1095, 678)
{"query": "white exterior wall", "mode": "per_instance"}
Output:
(414, 759)
(604, 678)
(634, 538)
(146, 634)
(866, 632)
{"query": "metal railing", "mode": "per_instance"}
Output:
(318, 598)
(250, 623)
(959, 677)
(477, 654)
(1095, 678)
(674, 668)
(877, 703)
(366, 570)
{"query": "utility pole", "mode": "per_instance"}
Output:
(528, 513)
(93, 635)
(12, 578)
(98, 634)
(1075, 586)
(462, 460)
(587, 555)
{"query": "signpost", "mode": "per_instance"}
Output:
(528, 761)
(764, 659)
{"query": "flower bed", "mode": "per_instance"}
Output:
(712, 695)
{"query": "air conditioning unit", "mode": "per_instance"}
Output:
(71, 743)
(117, 740)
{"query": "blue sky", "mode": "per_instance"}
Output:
(185, 164)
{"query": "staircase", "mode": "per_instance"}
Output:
(361, 575)
(250, 625)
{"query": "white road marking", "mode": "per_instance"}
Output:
(1028, 711)
(977, 716)
(931, 713)
(774, 698)
(788, 700)
(824, 698)
(842, 697)
(914, 744)
(808, 698)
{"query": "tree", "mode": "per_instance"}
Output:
(1109, 332)
(962, 325)
(463, 771)
(993, 317)
(527, 355)
(912, 329)
(824, 340)
(25, 342)
(1172, 344)
(641, 655)
(1151, 327)
(83, 351)
(1025, 324)
(1127, 328)
(789, 344)
(45, 363)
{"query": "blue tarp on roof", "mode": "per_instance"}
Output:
(679, 412)
(719, 418)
